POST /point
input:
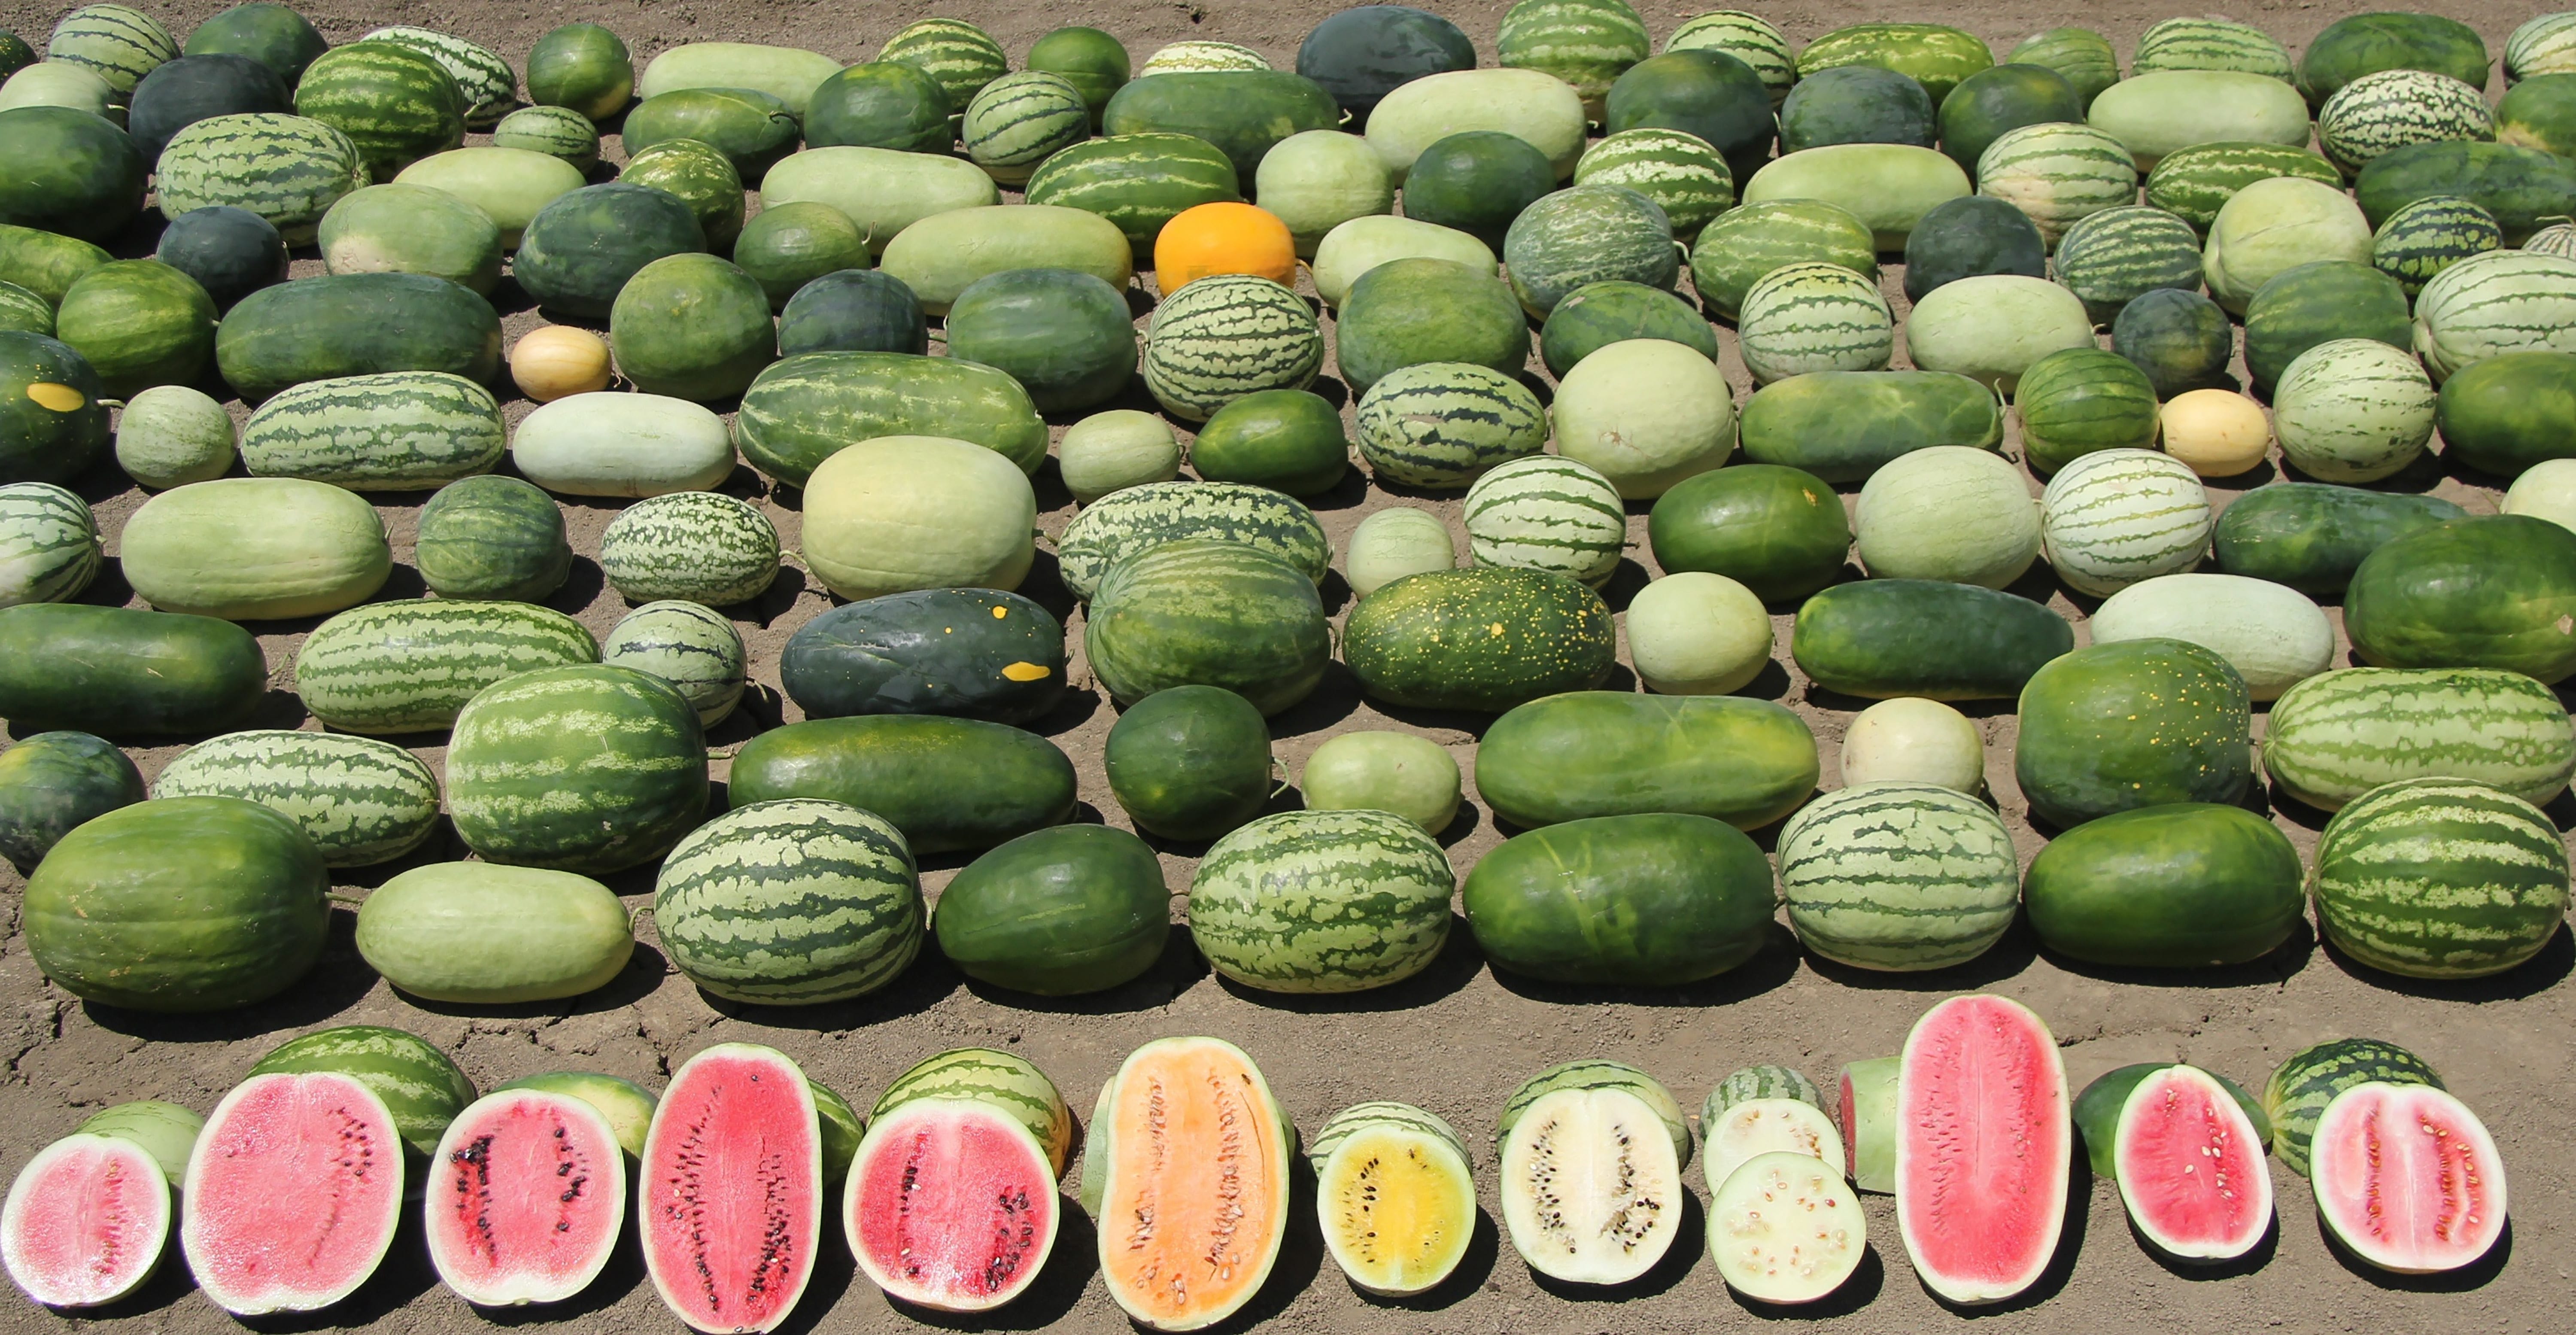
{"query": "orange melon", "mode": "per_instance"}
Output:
(1189, 1156)
(1224, 238)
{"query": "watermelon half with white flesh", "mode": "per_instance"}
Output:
(951, 1205)
(1785, 1228)
(2190, 1167)
(293, 1193)
(1591, 1186)
(2407, 1178)
(1765, 1126)
(86, 1221)
(1865, 1113)
(1983, 1147)
(526, 1196)
(730, 1191)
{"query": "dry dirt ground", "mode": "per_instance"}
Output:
(1455, 1040)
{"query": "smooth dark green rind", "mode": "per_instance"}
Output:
(1651, 900)
(1842, 425)
(1598, 314)
(124, 673)
(1191, 762)
(2137, 723)
(2312, 536)
(969, 653)
(1999, 98)
(1057, 912)
(1968, 237)
(1606, 753)
(1776, 530)
(356, 324)
(55, 782)
(1856, 104)
(1883, 638)
(2509, 412)
(1289, 440)
(947, 783)
(1243, 112)
(2185, 886)
(2494, 591)
(2363, 44)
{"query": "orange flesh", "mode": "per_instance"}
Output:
(1190, 1221)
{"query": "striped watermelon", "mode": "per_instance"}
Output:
(2337, 735)
(420, 1085)
(2429, 235)
(2352, 410)
(2558, 239)
(687, 644)
(2545, 44)
(794, 902)
(1677, 170)
(557, 132)
(1587, 43)
(1201, 57)
(1931, 54)
(2391, 109)
(2196, 182)
(1225, 336)
(2299, 1090)
(2502, 301)
(1013, 1084)
(1811, 317)
(2113, 257)
(1587, 234)
(1899, 876)
(1760, 1082)
(1138, 181)
(361, 800)
(1322, 902)
(49, 544)
(486, 81)
(2079, 401)
(1442, 424)
(1547, 513)
(1020, 120)
(2440, 878)
(1598, 1073)
(1202, 612)
(957, 55)
(396, 431)
(1747, 37)
(2082, 55)
(2058, 173)
(1133, 519)
(118, 44)
(395, 103)
(287, 169)
(586, 768)
(410, 666)
(1745, 244)
(2210, 44)
(2113, 518)
(694, 545)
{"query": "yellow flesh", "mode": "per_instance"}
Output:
(1397, 1210)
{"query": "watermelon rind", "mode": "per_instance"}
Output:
(1898, 876)
(360, 800)
(2308, 1080)
(1011, 1083)
(1274, 903)
(793, 902)
(420, 1085)
(2440, 878)
(1225, 336)
(49, 544)
(2339, 734)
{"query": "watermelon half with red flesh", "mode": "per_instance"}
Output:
(86, 1221)
(2407, 1178)
(1983, 1148)
(293, 1193)
(526, 1197)
(2190, 1167)
(951, 1205)
(730, 1191)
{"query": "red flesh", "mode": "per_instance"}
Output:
(525, 1199)
(2191, 1169)
(1983, 1148)
(1847, 1121)
(951, 1205)
(85, 1222)
(293, 1192)
(2408, 1178)
(731, 1194)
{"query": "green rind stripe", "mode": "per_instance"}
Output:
(1385, 1117)
(1898, 876)
(793, 901)
(1441, 424)
(2440, 878)
(697, 546)
(2340, 734)
(2299, 1090)
(2210, 44)
(407, 666)
(1124, 523)
(1322, 901)
(362, 801)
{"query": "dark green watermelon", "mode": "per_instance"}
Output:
(1778, 531)
(1968, 237)
(2313, 535)
(1191, 762)
(492, 537)
(1289, 440)
(230, 252)
(1477, 182)
(1856, 104)
(580, 249)
(2490, 591)
(1066, 336)
(1702, 92)
(2000, 98)
(2181, 886)
(53, 782)
(973, 653)
(182, 92)
(2368, 43)
(2313, 303)
(52, 420)
(1653, 900)
(2539, 113)
(2508, 412)
(790, 245)
(2182, 340)
(854, 310)
(2135, 723)
(2524, 188)
(65, 170)
(271, 34)
(1359, 55)
(1058, 912)
(15, 54)
(1598, 314)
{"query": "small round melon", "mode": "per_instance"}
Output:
(1546, 512)
(2216, 432)
(2546, 490)
(1969, 236)
(1856, 104)
(492, 537)
(692, 327)
(1698, 634)
(688, 644)
(2276, 225)
(1912, 740)
(171, 435)
(791, 245)
(1115, 450)
(1950, 512)
(2182, 340)
(853, 310)
(557, 361)
(918, 512)
(1066, 336)
(1285, 439)
(1319, 179)
(557, 132)
(140, 323)
(1409, 312)
(2001, 98)
(1411, 776)
(230, 252)
(1477, 181)
(1394, 543)
(1645, 413)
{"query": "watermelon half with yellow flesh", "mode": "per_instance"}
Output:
(526, 1197)
(293, 1193)
(86, 1221)
(2190, 1166)
(1192, 1157)
(1983, 1146)
(2407, 1178)
(951, 1204)
(729, 1196)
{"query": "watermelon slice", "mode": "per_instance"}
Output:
(293, 1193)
(1865, 1113)
(2407, 1178)
(1983, 1148)
(525, 1198)
(1394, 1195)
(2190, 1166)
(1193, 1155)
(1785, 1228)
(86, 1221)
(951, 1205)
(1762, 1126)
(730, 1191)
(1591, 1187)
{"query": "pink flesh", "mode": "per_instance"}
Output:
(293, 1193)
(941, 1191)
(526, 1202)
(730, 1241)
(1981, 1186)
(2191, 1170)
(87, 1224)
(2405, 1183)
(1847, 1121)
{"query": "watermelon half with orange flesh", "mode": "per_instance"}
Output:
(293, 1193)
(1193, 1188)
(951, 1205)
(1983, 1148)
(86, 1221)
(526, 1196)
(729, 1192)
(2407, 1178)
(2190, 1166)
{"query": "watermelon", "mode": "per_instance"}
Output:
(2136, 723)
(1955, 513)
(2308, 1080)
(2352, 47)
(2393, 109)
(293, 1193)
(2210, 44)
(2499, 302)
(1438, 425)
(126, 673)
(951, 1204)
(397, 431)
(2440, 878)
(1477, 181)
(1889, 187)
(139, 323)
(1383, 771)
(852, 310)
(1564, 904)
(1598, 314)
(734, 1139)
(1912, 740)
(1394, 1195)
(1779, 531)
(183, 92)
(22, 311)
(491, 537)
(1404, 644)
(2194, 183)
(1201, 56)
(1676, 169)
(1983, 1148)
(1937, 57)
(1410, 312)
(1898, 876)
(1243, 113)
(880, 104)
(2336, 736)
(2078, 401)
(2423, 238)
(1057, 912)
(1225, 336)
(558, 132)
(945, 783)
(801, 411)
(2537, 48)
(2190, 1165)
(787, 73)
(692, 327)
(841, 917)
(1360, 55)
(49, 544)
(2353, 410)
(752, 129)
(1844, 425)
(1205, 612)
(1587, 43)
(2538, 113)
(2097, 1112)
(1804, 318)
(1187, 1159)
(2113, 257)
(2178, 886)
(1089, 59)
(2408, 1178)
(395, 103)
(1747, 37)
(2272, 226)
(701, 177)
(1285, 439)
(322, 328)
(1992, 327)
(1137, 181)
(694, 545)
(1585, 1184)
(527, 1196)
(2271, 634)
(2502, 415)
(1012, 1084)
(1887, 638)
(580, 249)
(2312, 536)
(1273, 904)
(952, 51)
(966, 652)
(1995, 101)
(55, 83)
(231, 252)
(2309, 304)
(1746, 762)
(1647, 413)
(582, 768)
(52, 783)
(1972, 235)
(2483, 592)
(687, 644)
(1746, 244)
(1316, 180)
(582, 67)
(2114, 517)
(1020, 120)
(1538, 107)
(1394, 543)
(424, 931)
(255, 549)
(401, 667)
(86, 1221)
(1190, 762)
(1551, 514)
(1709, 95)
(2164, 112)
(2523, 187)
(359, 800)
(1587, 234)
(272, 34)
(120, 45)
(172, 435)
(484, 80)
(854, 497)
(1697, 633)
(1857, 104)
(69, 171)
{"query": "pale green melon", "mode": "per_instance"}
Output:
(1645, 414)
(1913, 740)
(1950, 512)
(1697, 633)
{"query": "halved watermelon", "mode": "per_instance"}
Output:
(1983, 1147)
(2407, 1178)
(2190, 1166)
(1785, 1228)
(1394, 1195)
(1193, 1189)
(86, 1221)
(1591, 1193)
(951, 1204)
(1765, 1126)
(527, 1193)
(730, 1197)
(1865, 1113)
(293, 1192)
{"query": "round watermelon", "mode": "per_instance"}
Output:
(579, 251)
(1207, 612)
(1190, 762)
(1598, 314)
(1288, 440)
(1066, 336)
(140, 323)
(1477, 181)
(853, 310)
(394, 102)
(2181, 339)
(52, 783)
(1968, 236)
(793, 244)
(793, 902)
(1360, 55)
(587, 768)
(52, 422)
(1856, 104)
(1705, 92)
(1409, 312)
(271, 34)
(492, 537)
(2000, 98)
(692, 327)
(881, 104)
(194, 88)
(1587, 234)
(230, 252)
(66, 170)
(1778, 531)
(582, 66)
(2079, 400)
